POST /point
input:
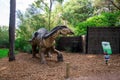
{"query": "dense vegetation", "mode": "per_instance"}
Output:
(4, 42)
(102, 20)
(76, 14)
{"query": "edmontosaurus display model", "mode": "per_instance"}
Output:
(45, 41)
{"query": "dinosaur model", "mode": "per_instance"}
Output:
(45, 41)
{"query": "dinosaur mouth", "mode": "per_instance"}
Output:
(72, 33)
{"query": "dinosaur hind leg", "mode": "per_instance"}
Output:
(42, 56)
(34, 51)
(48, 52)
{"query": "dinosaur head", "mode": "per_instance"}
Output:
(66, 31)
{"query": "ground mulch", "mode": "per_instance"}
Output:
(81, 66)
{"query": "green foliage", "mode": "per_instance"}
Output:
(102, 20)
(111, 18)
(4, 37)
(81, 28)
(27, 27)
(3, 53)
(31, 21)
(117, 18)
(25, 31)
(77, 11)
(98, 21)
(22, 45)
(74, 13)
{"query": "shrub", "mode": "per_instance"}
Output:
(3, 53)
(118, 18)
(22, 45)
(98, 21)
(102, 20)
(4, 37)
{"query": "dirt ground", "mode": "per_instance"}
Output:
(81, 66)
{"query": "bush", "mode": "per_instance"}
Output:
(118, 18)
(103, 20)
(98, 21)
(3, 53)
(82, 27)
(4, 37)
(22, 45)
(111, 18)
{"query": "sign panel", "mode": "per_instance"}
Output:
(106, 47)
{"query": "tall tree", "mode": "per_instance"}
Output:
(46, 6)
(76, 11)
(50, 10)
(105, 6)
(114, 4)
(12, 30)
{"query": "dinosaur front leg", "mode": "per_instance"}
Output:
(42, 56)
(59, 55)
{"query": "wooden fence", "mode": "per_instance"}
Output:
(96, 35)
(91, 43)
(73, 44)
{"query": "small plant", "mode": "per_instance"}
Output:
(4, 53)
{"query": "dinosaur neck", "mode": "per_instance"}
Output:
(54, 33)
(50, 41)
(53, 36)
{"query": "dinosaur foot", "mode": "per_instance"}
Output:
(34, 56)
(60, 58)
(43, 62)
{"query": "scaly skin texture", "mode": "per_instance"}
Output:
(45, 41)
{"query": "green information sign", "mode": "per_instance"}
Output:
(106, 47)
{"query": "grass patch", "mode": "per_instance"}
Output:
(4, 53)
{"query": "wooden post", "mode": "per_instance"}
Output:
(84, 43)
(67, 70)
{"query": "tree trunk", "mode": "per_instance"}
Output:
(50, 9)
(12, 30)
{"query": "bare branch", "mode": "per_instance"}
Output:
(115, 4)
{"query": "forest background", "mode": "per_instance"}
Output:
(76, 14)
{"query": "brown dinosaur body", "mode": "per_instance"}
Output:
(46, 41)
